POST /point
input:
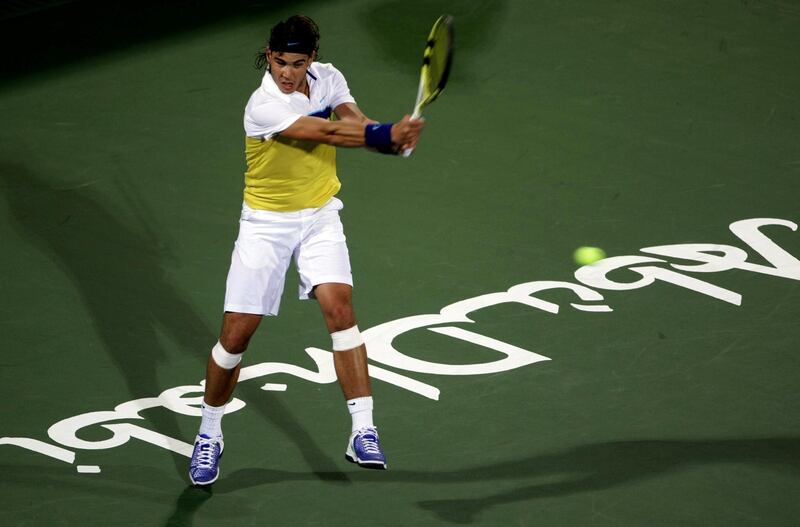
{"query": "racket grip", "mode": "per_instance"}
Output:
(416, 114)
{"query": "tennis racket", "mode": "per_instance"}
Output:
(436, 62)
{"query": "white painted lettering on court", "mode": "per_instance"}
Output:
(642, 271)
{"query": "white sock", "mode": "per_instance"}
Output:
(211, 425)
(361, 412)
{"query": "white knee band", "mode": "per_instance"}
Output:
(346, 339)
(225, 360)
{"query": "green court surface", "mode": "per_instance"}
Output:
(667, 133)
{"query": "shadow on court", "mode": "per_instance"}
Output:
(187, 505)
(581, 469)
(408, 21)
(117, 269)
(601, 466)
(56, 34)
(117, 484)
(277, 415)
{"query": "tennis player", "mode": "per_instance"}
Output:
(290, 212)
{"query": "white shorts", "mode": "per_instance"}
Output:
(267, 242)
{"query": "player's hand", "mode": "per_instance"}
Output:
(406, 132)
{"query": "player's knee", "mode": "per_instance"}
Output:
(237, 329)
(225, 359)
(234, 345)
(340, 317)
(346, 339)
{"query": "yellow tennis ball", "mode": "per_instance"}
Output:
(588, 255)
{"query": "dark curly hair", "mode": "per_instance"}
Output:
(297, 34)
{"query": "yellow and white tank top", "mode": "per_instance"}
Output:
(285, 174)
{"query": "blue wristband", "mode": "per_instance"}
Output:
(378, 136)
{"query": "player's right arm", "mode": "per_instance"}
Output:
(337, 133)
(351, 133)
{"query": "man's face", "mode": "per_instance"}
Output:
(289, 70)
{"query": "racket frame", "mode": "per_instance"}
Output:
(421, 102)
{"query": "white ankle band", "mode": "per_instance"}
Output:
(346, 339)
(225, 360)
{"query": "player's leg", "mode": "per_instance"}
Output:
(224, 362)
(350, 361)
(222, 372)
(255, 282)
(335, 301)
(222, 369)
(323, 262)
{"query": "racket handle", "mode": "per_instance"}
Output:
(416, 114)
